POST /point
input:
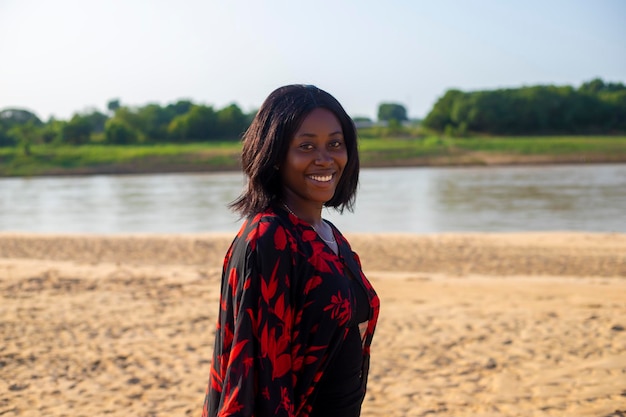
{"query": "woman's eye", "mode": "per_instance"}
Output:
(336, 144)
(306, 146)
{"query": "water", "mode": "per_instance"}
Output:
(415, 200)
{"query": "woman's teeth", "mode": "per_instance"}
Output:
(321, 178)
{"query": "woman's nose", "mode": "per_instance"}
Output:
(323, 157)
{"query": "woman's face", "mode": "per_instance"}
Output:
(315, 160)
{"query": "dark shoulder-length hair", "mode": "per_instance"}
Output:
(266, 142)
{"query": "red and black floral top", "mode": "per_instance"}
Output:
(285, 310)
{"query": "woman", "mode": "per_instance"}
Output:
(297, 315)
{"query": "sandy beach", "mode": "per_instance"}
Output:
(530, 324)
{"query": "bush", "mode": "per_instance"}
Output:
(118, 132)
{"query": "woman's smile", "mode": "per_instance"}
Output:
(322, 178)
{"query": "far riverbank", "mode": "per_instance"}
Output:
(164, 166)
(48, 160)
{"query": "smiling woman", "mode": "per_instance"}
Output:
(296, 314)
(313, 167)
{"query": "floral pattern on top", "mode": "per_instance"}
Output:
(285, 310)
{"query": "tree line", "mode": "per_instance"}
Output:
(595, 107)
(178, 122)
(182, 121)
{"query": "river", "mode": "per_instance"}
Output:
(413, 200)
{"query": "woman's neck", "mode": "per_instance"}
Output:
(310, 213)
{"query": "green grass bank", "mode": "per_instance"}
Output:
(374, 152)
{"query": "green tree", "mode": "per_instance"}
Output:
(615, 114)
(97, 120)
(52, 131)
(132, 119)
(231, 122)
(440, 115)
(19, 127)
(200, 123)
(113, 105)
(25, 135)
(179, 108)
(118, 132)
(595, 107)
(77, 131)
(13, 116)
(597, 86)
(392, 111)
(153, 121)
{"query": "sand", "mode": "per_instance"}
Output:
(471, 324)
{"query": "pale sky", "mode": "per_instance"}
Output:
(65, 56)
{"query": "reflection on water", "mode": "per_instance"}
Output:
(416, 200)
(538, 198)
(120, 204)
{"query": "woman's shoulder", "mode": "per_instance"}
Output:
(267, 228)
